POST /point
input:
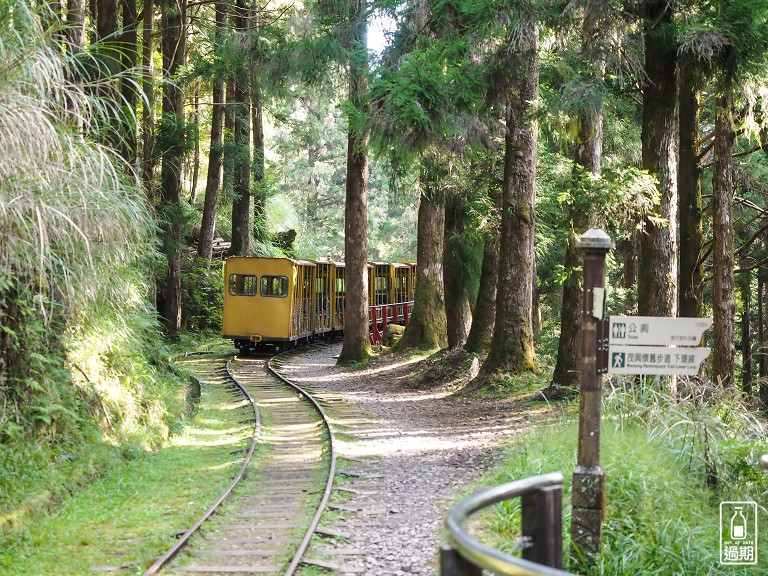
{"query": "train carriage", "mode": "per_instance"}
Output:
(280, 302)
(339, 295)
(329, 297)
(269, 300)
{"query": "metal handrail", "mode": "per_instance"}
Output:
(485, 556)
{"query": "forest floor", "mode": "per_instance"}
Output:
(422, 447)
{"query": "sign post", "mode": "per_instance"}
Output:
(588, 492)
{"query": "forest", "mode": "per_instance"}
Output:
(141, 142)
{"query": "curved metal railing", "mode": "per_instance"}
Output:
(542, 529)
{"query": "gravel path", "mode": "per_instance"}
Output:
(412, 453)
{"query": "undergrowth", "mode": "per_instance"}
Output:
(132, 512)
(669, 462)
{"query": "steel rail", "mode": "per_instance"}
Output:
(485, 556)
(297, 557)
(184, 539)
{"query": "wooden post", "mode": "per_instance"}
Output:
(375, 334)
(453, 564)
(542, 512)
(588, 491)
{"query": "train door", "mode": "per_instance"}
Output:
(379, 283)
(339, 296)
(400, 290)
(303, 296)
(323, 312)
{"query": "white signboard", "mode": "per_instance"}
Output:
(655, 360)
(657, 330)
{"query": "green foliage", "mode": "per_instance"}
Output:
(174, 136)
(102, 522)
(661, 516)
(306, 177)
(80, 356)
(203, 295)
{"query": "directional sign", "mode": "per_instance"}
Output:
(655, 360)
(657, 330)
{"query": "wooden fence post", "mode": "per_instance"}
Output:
(375, 334)
(454, 564)
(542, 512)
(588, 491)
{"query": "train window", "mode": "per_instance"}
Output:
(274, 286)
(242, 284)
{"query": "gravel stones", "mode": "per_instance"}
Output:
(407, 454)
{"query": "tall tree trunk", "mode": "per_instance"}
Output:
(174, 18)
(148, 115)
(212, 184)
(93, 11)
(689, 187)
(511, 348)
(257, 122)
(484, 314)
(426, 328)
(357, 345)
(628, 250)
(657, 286)
(723, 299)
(107, 22)
(229, 154)
(762, 364)
(52, 17)
(588, 154)
(745, 288)
(76, 24)
(196, 153)
(458, 311)
(760, 325)
(566, 371)
(259, 199)
(241, 206)
(129, 48)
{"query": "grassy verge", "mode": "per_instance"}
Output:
(669, 463)
(132, 512)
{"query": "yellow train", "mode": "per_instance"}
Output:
(281, 302)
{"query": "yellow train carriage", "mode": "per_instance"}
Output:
(411, 278)
(269, 300)
(338, 295)
(390, 283)
(379, 283)
(329, 296)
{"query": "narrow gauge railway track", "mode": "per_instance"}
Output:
(267, 533)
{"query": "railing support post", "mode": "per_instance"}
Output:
(454, 564)
(384, 320)
(375, 334)
(542, 512)
(588, 491)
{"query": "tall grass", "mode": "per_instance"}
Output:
(68, 208)
(669, 462)
(81, 360)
